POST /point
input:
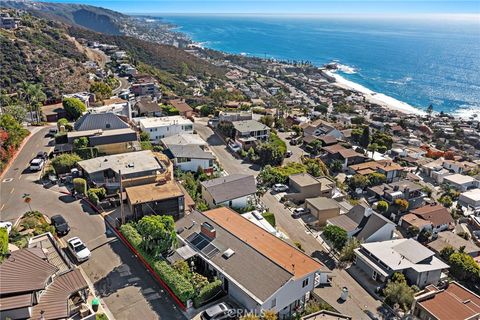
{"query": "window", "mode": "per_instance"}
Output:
(274, 302)
(305, 283)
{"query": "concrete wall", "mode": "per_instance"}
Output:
(239, 295)
(424, 278)
(322, 215)
(193, 164)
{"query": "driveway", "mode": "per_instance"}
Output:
(119, 279)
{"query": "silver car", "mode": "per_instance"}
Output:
(219, 311)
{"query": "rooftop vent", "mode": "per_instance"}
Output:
(228, 253)
(131, 165)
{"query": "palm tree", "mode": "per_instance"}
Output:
(33, 96)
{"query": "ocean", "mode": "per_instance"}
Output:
(417, 61)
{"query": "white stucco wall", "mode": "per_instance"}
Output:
(193, 164)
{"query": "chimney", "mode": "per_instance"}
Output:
(208, 230)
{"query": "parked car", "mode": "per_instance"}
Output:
(60, 224)
(37, 164)
(52, 132)
(219, 311)
(78, 249)
(298, 212)
(278, 187)
(289, 153)
(42, 155)
(7, 225)
(232, 145)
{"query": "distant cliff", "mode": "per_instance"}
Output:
(90, 17)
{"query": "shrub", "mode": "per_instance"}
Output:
(74, 107)
(398, 292)
(100, 192)
(101, 316)
(146, 145)
(182, 288)
(336, 235)
(92, 196)
(3, 243)
(144, 136)
(207, 292)
(64, 162)
(80, 185)
(132, 235)
(382, 206)
(62, 123)
(463, 267)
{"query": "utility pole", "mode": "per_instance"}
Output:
(122, 214)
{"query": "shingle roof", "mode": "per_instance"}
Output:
(436, 214)
(180, 105)
(104, 121)
(373, 223)
(54, 301)
(448, 238)
(230, 187)
(24, 271)
(15, 302)
(249, 125)
(189, 151)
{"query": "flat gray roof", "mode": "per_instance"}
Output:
(230, 187)
(129, 162)
(249, 125)
(322, 203)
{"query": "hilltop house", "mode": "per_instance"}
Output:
(183, 108)
(380, 260)
(391, 170)
(257, 269)
(190, 158)
(100, 121)
(364, 224)
(248, 132)
(348, 157)
(234, 191)
(159, 128)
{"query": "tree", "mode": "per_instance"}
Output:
(413, 231)
(62, 123)
(16, 133)
(3, 243)
(298, 130)
(321, 108)
(365, 137)
(74, 107)
(424, 235)
(397, 292)
(382, 206)
(80, 185)
(64, 162)
(33, 96)
(463, 267)
(144, 136)
(17, 112)
(446, 252)
(358, 120)
(376, 178)
(267, 120)
(446, 201)
(348, 254)
(101, 90)
(315, 146)
(402, 204)
(158, 233)
(80, 143)
(336, 236)
(358, 181)
(336, 166)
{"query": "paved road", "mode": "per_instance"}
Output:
(123, 85)
(360, 299)
(122, 282)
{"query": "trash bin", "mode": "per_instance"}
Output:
(344, 294)
(95, 304)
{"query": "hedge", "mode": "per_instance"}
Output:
(80, 185)
(101, 193)
(3, 243)
(207, 292)
(131, 234)
(92, 196)
(182, 288)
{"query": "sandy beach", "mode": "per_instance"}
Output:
(374, 97)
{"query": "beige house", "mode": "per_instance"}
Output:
(303, 186)
(323, 209)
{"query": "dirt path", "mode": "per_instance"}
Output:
(95, 55)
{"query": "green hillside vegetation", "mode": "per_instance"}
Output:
(41, 52)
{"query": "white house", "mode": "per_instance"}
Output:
(190, 157)
(159, 128)
(258, 270)
(461, 182)
(470, 199)
(234, 191)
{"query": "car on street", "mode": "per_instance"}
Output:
(37, 164)
(219, 311)
(232, 145)
(7, 225)
(42, 155)
(60, 224)
(278, 187)
(298, 212)
(78, 249)
(52, 132)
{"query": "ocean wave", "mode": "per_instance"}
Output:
(346, 69)
(400, 82)
(467, 111)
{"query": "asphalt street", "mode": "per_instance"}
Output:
(119, 279)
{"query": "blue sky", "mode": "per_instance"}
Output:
(287, 6)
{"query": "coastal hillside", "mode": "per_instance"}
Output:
(94, 18)
(41, 51)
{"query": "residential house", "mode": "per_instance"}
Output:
(145, 88)
(147, 107)
(403, 189)
(161, 198)
(103, 121)
(190, 158)
(108, 141)
(436, 216)
(303, 186)
(449, 239)
(459, 166)
(470, 199)
(380, 260)
(453, 302)
(364, 224)
(8, 22)
(53, 112)
(258, 270)
(346, 156)
(184, 139)
(234, 191)
(323, 209)
(248, 132)
(159, 128)
(391, 170)
(136, 168)
(461, 182)
(321, 128)
(228, 116)
(183, 108)
(117, 106)
(40, 282)
(86, 97)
